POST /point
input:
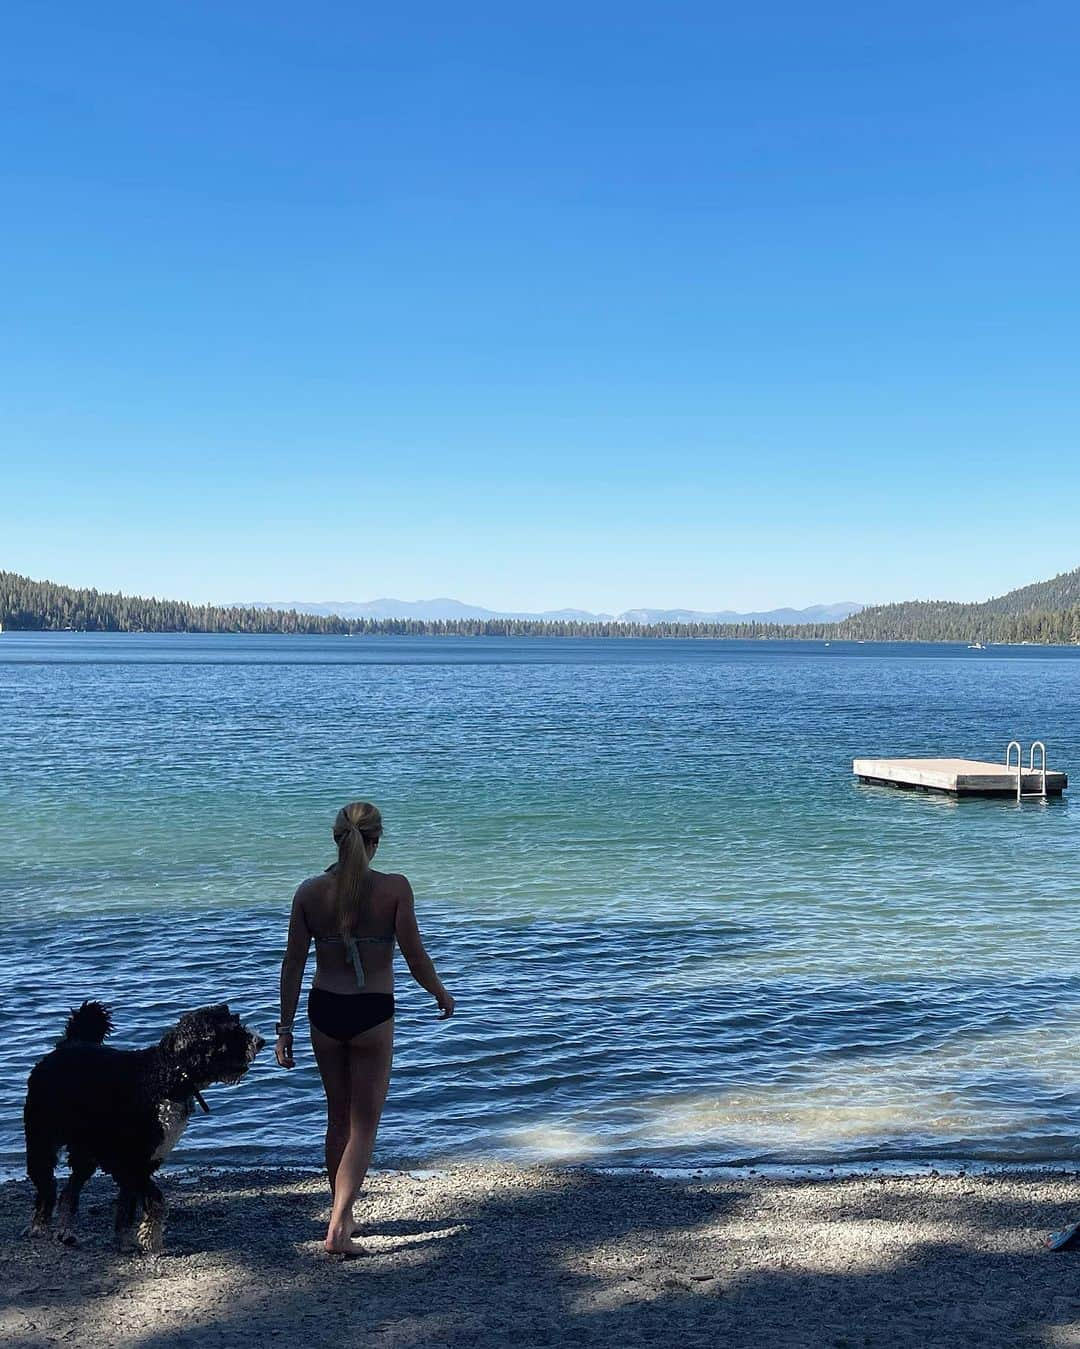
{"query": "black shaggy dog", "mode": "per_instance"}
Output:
(123, 1110)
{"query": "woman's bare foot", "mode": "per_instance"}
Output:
(339, 1241)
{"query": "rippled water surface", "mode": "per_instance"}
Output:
(677, 929)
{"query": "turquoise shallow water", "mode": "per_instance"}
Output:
(678, 931)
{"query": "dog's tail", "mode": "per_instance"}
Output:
(88, 1024)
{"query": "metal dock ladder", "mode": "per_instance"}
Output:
(1036, 745)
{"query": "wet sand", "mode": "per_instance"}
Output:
(503, 1257)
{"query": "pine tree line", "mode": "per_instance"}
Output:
(36, 606)
(941, 621)
(44, 606)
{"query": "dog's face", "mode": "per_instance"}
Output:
(211, 1045)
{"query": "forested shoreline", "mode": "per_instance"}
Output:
(1045, 613)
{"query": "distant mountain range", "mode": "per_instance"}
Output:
(433, 610)
(816, 613)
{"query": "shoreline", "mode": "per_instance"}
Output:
(508, 1257)
(962, 643)
(899, 1169)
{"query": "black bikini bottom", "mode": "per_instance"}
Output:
(343, 1015)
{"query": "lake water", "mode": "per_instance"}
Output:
(678, 931)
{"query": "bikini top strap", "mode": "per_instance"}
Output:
(347, 940)
(352, 952)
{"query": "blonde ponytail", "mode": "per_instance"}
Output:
(356, 827)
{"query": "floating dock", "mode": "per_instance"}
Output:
(961, 777)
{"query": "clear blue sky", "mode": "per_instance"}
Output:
(538, 305)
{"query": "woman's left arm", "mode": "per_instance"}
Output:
(292, 974)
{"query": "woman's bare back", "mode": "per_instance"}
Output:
(375, 933)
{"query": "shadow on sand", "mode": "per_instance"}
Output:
(494, 1257)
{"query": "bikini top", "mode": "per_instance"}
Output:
(352, 950)
(352, 946)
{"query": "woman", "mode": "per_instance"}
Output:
(354, 915)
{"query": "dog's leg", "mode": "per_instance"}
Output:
(152, 1228)
(126, 1203)
(41, 1155)
(83, 1167)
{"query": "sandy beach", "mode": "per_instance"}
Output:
(500, 1256)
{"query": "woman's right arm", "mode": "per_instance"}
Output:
(292, 974)
(407, 931)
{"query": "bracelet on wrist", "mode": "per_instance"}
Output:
(283, 1028)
